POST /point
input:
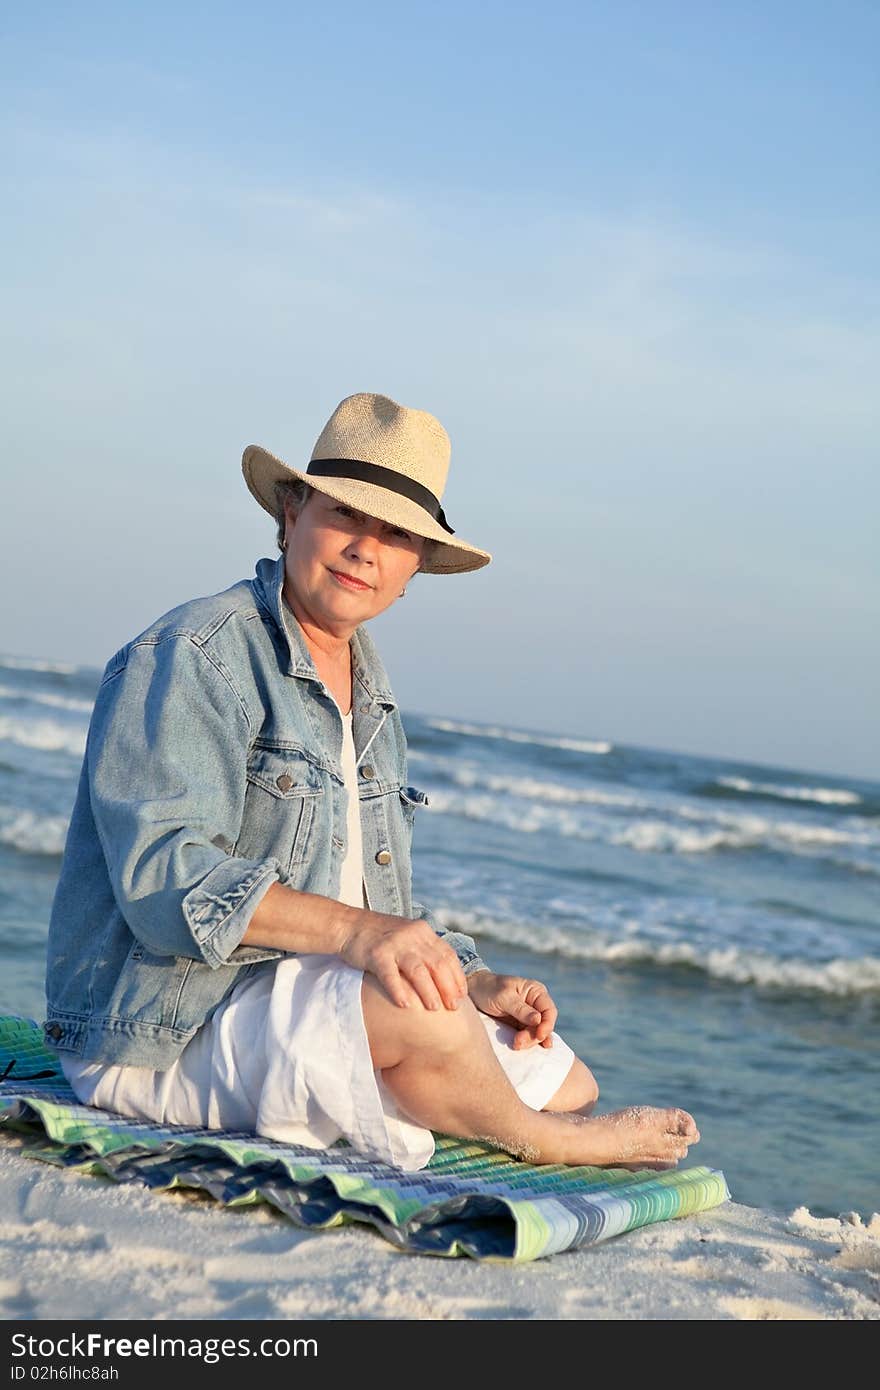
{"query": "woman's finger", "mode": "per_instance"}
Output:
(523, 1013)
(436, 973)
(442, 963)
(548, 1022)
(419, 975)
(538, 996)
(450, 981)
(416, 967)
(398, 989)
(549, 1015)
(453, 972)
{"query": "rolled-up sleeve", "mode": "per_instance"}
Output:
(167, 758)
(463, 946)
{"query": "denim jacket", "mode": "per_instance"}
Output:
(212, 770)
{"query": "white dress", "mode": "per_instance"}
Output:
(286, 1054)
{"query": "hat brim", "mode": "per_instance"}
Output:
(263, 470)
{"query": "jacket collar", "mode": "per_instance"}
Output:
(268, 583)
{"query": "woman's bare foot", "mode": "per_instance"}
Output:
(640, 1136)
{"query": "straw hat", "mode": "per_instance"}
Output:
(384, 460)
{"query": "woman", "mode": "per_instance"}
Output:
(233, 942)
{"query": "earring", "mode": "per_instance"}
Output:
(402, 592)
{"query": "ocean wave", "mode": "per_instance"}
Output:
(43, 697)
(859, 866)
(46, 734)
(574, 745)
(825, 796)
(532, 789)
(20, 663)
(659, 837)
(739, 829)
(650, 834)
(526, 819)
(736, 965)
(32, 832)
(751, 830)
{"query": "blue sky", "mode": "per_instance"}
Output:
(626, 252)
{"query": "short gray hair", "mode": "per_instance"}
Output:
(296, 493)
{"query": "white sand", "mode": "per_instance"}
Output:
(75, 1246)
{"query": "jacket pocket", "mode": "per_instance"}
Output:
(410, 799)
(282, 801)
(150, 988)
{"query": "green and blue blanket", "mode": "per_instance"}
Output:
(470, 1199)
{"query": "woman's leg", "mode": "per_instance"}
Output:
(578, 1092)
(441, 1070)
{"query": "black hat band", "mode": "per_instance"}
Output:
(359, 471)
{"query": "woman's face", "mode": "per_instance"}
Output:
(329, 546)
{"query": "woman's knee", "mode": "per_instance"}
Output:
(579, 1090)
(394, 1033)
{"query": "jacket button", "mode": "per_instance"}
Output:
(284, 782)
(367, 770)
(383, 857)
(54, 1031)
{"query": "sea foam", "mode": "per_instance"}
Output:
(20, 663)
(31, 832)
(533, 806)
(840, 976)
(46, 734)
(574, 745)
(825, 796)
(535, 789)
(45, 697)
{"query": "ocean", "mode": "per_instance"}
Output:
(709, 929)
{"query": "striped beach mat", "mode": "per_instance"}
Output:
(471, 1199)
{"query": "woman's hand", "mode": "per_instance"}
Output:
(524, 1004)
(414, 964)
